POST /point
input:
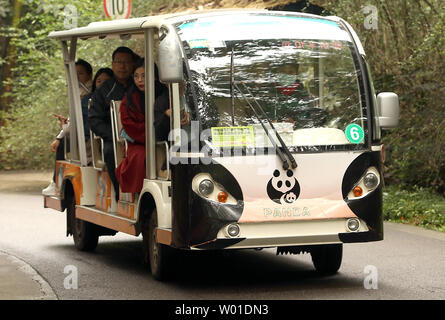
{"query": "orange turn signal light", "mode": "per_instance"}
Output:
(222, 196)
(357, 191)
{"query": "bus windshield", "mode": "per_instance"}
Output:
(302, 72)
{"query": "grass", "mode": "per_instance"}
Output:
(419, 206)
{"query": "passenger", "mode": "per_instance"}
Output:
(162, 114)
(101, 76)
(131, 171)
(84, 76)
(99, 119)
(292, 96)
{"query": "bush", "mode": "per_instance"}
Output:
(419, 206)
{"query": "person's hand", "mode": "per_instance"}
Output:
(185, 118)
(168, 112)
(62, 120)
(54, 145)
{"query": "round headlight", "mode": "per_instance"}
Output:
(353, 224)
(233, 230)
(370, 181)
(206, 187)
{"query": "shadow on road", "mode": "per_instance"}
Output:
(229, 271)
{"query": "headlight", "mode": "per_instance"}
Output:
(371, 181)
(233, 230)
(206, 187)
(368, 183)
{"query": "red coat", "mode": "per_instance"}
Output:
(131, 171)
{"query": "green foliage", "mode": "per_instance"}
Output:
(39, 85)
(418, 206)
(407, 56)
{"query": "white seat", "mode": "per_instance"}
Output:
(119, 143)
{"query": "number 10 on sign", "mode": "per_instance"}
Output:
(117, 9)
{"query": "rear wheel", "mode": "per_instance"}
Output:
(85, 234)
(327, 258)
(156, 255)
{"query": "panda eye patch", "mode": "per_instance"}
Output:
(288, 184)
(279, 184)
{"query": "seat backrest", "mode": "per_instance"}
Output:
(97, 146)
(163, 171)
(116, 125)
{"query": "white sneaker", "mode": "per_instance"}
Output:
(50, 190)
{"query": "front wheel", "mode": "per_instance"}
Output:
(327, 258)
(85, 234)
(155, 254)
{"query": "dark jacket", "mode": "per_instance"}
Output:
(99, 118)
(162, 121)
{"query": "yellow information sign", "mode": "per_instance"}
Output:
(233, 136)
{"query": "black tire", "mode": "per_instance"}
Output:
(327, 258)
(85, 234)
(156, 255)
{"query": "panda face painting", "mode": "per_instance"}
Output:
(283, 188)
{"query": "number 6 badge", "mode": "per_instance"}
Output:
(354, 133)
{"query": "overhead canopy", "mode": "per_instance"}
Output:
(124, 27)
(120, 26)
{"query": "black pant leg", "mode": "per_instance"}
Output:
(60, 155)
(109, 161)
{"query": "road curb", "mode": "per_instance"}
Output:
(25, 180)
(20, 281)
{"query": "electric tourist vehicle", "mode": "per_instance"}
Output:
(282, 148)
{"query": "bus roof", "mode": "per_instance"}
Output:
(136, 25)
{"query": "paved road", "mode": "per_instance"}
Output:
(408, 264)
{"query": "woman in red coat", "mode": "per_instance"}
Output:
(131, 171)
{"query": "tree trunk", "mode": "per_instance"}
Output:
(11, 56)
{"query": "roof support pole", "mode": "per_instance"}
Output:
(77, 138)
(150, 142)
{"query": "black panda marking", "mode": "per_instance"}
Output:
(283, 187)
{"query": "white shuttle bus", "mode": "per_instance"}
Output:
(283, 148)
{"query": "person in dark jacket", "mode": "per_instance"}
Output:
(162, 113)
(99, 118)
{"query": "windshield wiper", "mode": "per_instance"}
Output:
(231, 88)
(283, 145)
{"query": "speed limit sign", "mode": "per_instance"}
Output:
(117, 9)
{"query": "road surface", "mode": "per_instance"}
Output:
(408, 264)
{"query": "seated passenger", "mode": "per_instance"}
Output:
(101, 76)
(84, 76)
(162, 114)
(291, 95)
(99, 119)
(131, 171)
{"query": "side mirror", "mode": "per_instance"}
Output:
(170, 57)
(388, 106)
